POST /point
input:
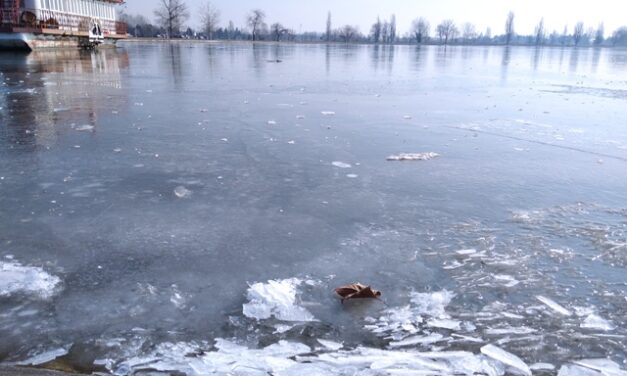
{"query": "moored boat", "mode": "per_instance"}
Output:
(34, 24)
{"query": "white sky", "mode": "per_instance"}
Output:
(310, 15)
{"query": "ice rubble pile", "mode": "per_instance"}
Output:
(31, 280)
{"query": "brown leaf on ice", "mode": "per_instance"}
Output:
(357, 291)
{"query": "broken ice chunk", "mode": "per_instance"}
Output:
(417, 340)
(605, 366)
(554, 306)
(413, 156)
(542, 367)
(506, 358)
(444, 324)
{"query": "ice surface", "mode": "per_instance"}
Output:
(339, 164)
(506, 358)
(276, 298)
(413, 156)
(32, 280)
(554, 306)
(597, 322)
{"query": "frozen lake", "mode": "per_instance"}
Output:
(191, 207)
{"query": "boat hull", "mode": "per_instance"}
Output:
(31, 41)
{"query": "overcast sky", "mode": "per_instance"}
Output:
(310, 15)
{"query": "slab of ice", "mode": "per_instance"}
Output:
(506, 358)
(44, 357)
(554, 306)
(339, 164)
(597, 322)
(444, 324)
(413, 156)
(605, 366)
(417, 340)
(465, 252)
(575, 370)
(276, 298)
(32, 280)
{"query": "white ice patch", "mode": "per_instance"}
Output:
(506, 358)
(339, 164)
(432, 304)
(32, 280)
(605, 366)
(182, 192)
(328, 113)
(85, 128)
(276, 298)
(413, 156)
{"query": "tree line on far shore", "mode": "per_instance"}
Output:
(171, 16)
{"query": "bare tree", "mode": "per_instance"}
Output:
(565, 35)
(171, 14)
(231, 30)
(347, 33)
(469, 32)
(375, 31)
(385, 32)
(578, 33)
(209, 18)
(420, 28)
(446, 31)
(393, 29)
(509, 28)
(256, 21)
(599, 36)
(277, 30)
(329, 30)
(540, 32)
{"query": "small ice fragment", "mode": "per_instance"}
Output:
(464, 252)
(328, 113)
(224, 139)
(182, 192)
(417, 340)
(352, 176)
(282, 328)
(407, 117)
(554, 306)
(117, 150)
(444, 324)
(506, 358)
(300, 117)
(291, 142)
(597, 322)
(542, 367)
(271, 122)
(413, 156)
(339, 164)
(85, 128)
(331, 345)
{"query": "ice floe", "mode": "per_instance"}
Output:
(31, 280)
(413, 156)
(276, 298)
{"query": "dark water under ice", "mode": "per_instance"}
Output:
(143, 190)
